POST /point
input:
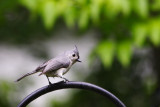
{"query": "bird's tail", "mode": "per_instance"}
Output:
(30, 73)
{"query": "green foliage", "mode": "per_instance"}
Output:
(141, 7)
(124, 51)
(106, 51)
(156, 5)
(120, 20)
(70, 19)
(139, 34)
(145, 30)
(136, 15)
(154, 31)
(30, 4)
(150, 84)
(83, 18)
(6, 89)
(48, 13)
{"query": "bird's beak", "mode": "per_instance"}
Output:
(78, 60)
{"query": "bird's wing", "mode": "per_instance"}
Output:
(55, 64)
(42, 66)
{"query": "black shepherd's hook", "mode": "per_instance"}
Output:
(64, 85)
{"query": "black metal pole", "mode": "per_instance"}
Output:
(64, 85)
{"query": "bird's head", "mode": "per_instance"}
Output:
(74, 55)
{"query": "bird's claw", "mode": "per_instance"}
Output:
(66, 80)
(50, 83)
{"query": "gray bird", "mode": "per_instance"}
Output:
(57, 66)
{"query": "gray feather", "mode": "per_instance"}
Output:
(56, 63)
(41, 67)
(30, 73)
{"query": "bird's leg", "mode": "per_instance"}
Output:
(48, 80)
(65, 79)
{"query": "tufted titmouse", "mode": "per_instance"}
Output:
(57, 66)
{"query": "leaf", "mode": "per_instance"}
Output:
(112, 7)
(106, 52)
(83, 18)
(95, 8)
(155, 5)
(154, 30)
(70, 17)
(30, 4)
(139, 34)
(124, 52)
(61, 7)
(49, 13)
(150, 84)
(126, 8)
(141, 7)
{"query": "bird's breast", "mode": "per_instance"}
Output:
(67, 69)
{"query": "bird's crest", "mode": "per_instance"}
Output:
(76, 50)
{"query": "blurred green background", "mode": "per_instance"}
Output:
(118, 40)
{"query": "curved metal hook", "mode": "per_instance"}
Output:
(65, 85)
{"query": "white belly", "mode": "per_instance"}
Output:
(60, 72)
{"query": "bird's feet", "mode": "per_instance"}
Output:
(66, 80)
(50, 83)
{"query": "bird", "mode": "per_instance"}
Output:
(57, 66)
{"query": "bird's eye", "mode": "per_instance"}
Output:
(73, 55)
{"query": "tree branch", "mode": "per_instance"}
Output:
(65, 85)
